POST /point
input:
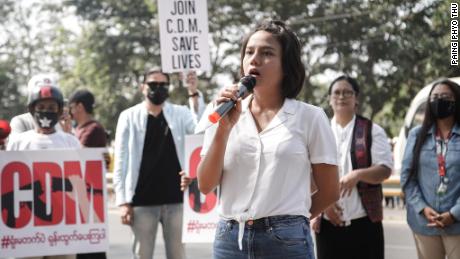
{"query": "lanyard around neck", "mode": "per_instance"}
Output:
(441, 152)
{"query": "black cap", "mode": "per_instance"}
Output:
(85, 97)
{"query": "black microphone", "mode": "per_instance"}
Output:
(245, 85)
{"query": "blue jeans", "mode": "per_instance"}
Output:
(271, 237)
(144, 227)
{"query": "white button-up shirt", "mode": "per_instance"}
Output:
(268, 173)
(380, 153)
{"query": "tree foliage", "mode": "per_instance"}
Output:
(10, 98)
(392, 47)
(27, 46)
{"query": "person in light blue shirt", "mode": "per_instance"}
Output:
(430, 175)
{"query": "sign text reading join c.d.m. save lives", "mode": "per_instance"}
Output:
(184, 35)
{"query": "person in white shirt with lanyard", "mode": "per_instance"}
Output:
(265, 152)
(352, 227)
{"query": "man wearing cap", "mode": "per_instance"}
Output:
(89, 132)
(149, 158)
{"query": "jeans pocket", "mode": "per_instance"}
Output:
(289, 235)
(223, 229)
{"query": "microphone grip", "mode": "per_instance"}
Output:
(221, 111)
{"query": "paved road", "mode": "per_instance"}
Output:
(398, 239)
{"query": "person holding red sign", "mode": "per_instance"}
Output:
(430, 175)
(265, 152)
(45, 104)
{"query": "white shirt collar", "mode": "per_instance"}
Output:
(288, 109)
(336, 126)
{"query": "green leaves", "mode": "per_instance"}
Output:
(392, 47)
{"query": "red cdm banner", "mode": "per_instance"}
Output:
(200, 211)
(52, 202)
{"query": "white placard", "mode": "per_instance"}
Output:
(200, 211)
(53, 202)
(184, 35)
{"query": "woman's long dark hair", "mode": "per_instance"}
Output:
(429, 121)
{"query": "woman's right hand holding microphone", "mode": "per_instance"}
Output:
(231, 118)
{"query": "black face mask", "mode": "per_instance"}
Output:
(159, 95)
(46, 120)
(442, 108)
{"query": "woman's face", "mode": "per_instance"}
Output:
(343, 98)
(262, 59)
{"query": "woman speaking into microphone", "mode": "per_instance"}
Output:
(264, 152)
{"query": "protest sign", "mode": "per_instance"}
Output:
(53, 202)
(200, 211)
(184, 35)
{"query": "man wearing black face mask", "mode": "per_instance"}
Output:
(45, 105)
(149, 158)
(24, 122)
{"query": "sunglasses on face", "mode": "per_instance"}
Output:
(155, 85)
